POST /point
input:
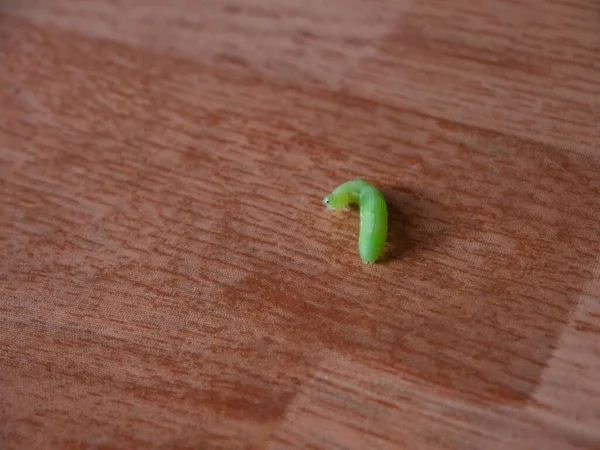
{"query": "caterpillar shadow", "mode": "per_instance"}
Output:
(416, 222)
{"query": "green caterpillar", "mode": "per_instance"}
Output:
(373, 215)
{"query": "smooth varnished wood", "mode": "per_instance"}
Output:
(169, 278)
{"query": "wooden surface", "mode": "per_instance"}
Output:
(171, 280)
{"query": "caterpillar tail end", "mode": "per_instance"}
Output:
(369, 256)
(368, 260)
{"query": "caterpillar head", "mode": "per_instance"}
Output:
(336, 200)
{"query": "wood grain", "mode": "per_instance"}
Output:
(170, 279)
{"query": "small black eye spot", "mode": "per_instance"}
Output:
(326, 199)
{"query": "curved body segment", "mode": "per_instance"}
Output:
(373, 215)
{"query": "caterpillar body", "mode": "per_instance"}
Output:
(373, 215)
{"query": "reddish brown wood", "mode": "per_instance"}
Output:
(170, 278)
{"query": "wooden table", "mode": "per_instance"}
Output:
(171, 280)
